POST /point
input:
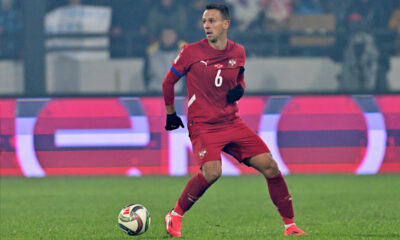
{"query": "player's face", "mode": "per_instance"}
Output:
(214, 25)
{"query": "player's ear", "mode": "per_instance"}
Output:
(227, 22)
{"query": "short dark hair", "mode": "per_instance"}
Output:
(222, 8)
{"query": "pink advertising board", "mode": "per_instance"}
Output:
(126, 136)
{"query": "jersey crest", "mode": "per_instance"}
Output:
(232, 62)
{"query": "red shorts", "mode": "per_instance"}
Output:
(235, 138)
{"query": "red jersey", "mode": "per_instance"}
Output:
(210, 74)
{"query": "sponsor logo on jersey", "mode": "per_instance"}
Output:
(205, 62)
(218, 65)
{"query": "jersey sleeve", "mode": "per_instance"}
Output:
(181, 63)
(240, 78)
(168, 87)
(178, 69)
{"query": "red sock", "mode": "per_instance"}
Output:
(281, 198)
(194, 189)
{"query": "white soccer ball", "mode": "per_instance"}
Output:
(134, 219)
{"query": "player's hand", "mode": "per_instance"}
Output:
(173, 122)
(235, 94)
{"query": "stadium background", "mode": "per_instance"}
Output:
(80, 103)
(78, 97)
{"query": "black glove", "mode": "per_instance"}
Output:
(235, 94)
(173, 122)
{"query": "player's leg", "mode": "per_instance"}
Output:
(206, 150)
(276, 184)
(197, 185)
(194, 189)
(278, 190)
(251, 149)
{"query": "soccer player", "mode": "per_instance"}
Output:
(214, 69)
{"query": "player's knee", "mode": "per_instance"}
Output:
(271, 167)
(211, 170)
(272, 164)
(212, 175)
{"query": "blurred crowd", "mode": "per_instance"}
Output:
(11, 24)
(362, 34)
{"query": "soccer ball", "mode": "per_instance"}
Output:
(134, 219)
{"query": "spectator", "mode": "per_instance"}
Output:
(128, 38)
(160, 56)
(388, 48)
(10, 29)
(277, 13)
(195, 24)
(167, 13)
(360, 64)
(244, 13)
(372, 12)
(339, 9)
(394, 25)
(308, 7)
(367, 19)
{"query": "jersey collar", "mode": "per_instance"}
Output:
(210, 48)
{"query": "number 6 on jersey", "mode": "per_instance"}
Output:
(218, 79)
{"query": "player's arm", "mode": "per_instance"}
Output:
(173, 120)
(170, 109)
(237, 92)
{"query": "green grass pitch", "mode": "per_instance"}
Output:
(326, 206)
